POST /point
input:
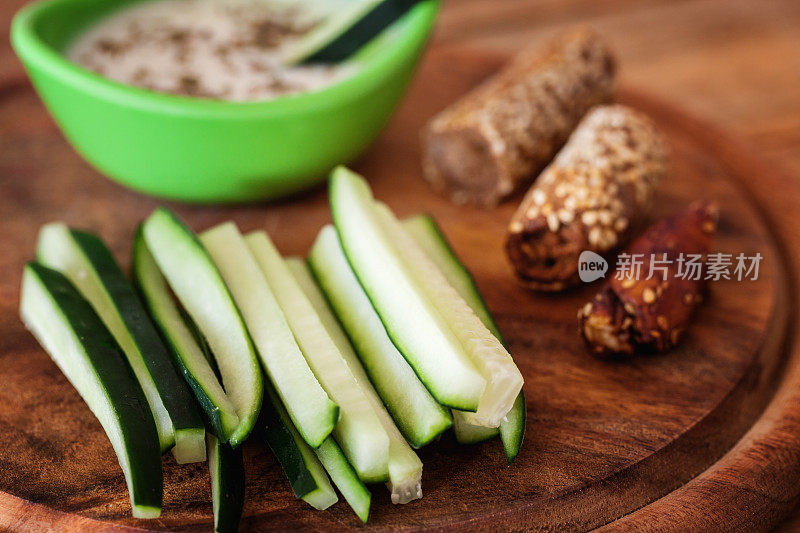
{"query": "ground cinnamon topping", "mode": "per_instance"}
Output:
(205, 48)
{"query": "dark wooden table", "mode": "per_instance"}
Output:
(734, 62)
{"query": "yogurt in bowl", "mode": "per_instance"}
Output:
(204, 147)
(228, 50)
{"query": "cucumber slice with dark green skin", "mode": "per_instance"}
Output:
(344, 32)
(424, 230)
(311, 410)
(305, 472)
(359, 431)
(512, 429)
(487, 353)
(73, 334)
(89, 265)
(417, 414)
(411, 319)
(345, 477)
(199, 287)
(226, 468)
(188, 348)
(405, 467)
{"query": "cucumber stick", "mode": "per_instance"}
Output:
(306, 474)
(80, 344)
(411, 319)
(226, 469)
(343, 32)
(345, 477)
(188, 353)
(504, 380)
(405, 467)
(198, 285)
(89, 265)
(416, 412)
(424, 230)
(312, 412)
(358, 432)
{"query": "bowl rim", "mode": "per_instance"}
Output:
(36, 54)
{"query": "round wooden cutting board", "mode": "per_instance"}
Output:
(706, 436)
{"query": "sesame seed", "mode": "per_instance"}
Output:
(552, 222)
(648, 295)
(609, 238)
(594, 236)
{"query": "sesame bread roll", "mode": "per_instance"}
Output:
(495, 139)
(592, 195)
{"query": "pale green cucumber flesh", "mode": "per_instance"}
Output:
(312, 412)
(405, 467)
(413, 323)
(467, 433)
(199, 287)
(427, 234)
(417, 414)
(87, 262)
(190, 446)
(303, 469)
(345, 477)
(188, 350)
(358, 432)
(226, 469)
(80, 344)
(424, 230)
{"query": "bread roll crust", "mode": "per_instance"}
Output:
(591, 197)
(498, 137)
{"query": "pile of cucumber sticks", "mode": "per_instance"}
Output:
(344, 363)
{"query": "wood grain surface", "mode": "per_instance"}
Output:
(735, 62)
(604, 439)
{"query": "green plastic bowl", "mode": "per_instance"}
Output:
(199, 150)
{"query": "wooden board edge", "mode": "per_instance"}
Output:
(757, 483)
